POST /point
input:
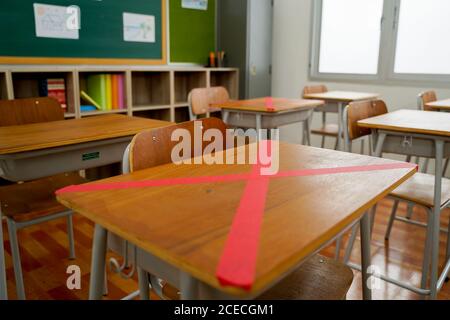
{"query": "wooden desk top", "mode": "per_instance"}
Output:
(259, 105)
(440, 105)
(38, 136)
(414, 121)
(342, 96)
(187, 225)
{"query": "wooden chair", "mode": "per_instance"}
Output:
(418, 190)
(200, 100)
(318, 278)
(30, 203)
(424, 98)
(327, 129)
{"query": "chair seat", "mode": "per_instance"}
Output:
(319, 278)
(420, 189)
(330, 130)
(30, 200)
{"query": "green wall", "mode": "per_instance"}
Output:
(192, 32)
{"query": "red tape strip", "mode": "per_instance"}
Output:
(269, 104)
(238, 261)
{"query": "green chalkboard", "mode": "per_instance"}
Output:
(192, 32)
(101, 35)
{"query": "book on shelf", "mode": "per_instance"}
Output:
(105, 91)
(96, 89)
(85, 97)
(54, 88)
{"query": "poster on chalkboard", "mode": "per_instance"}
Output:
(195, 4)
(56, 21)
(138, 27)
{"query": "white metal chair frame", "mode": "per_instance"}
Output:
(13, 227)
(426, 260)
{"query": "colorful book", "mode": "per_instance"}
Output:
(87, 98)
(108, 91)
(54, 88)
(96, 89)
(87, 108)
(115, 91)
(121, 91)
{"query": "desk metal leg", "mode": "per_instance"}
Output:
(380, 143)
(98, 263)
(188, 287)
(258, 126)
(3, 291)
(143, 284)
(436, 218)
(340, 125)
(365, 255)
(225, 115)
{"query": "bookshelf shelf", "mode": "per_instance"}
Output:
(185, 81)
(3, 88)
(153, 92)
(27, 84)
(97, 113)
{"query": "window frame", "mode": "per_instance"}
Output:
(386, 59)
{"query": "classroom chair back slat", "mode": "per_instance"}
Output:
(154, 147)
(314, 89)
(200, 100)
(27, 111)
(424, 98)
(361, 110)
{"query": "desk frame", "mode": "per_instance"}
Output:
(428, 146)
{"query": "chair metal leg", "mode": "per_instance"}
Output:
(15, 252)
(3, 289)
(427, 251)
(143, 284)
(336, 146)
(445, 167)
(425, 167)
(363, 144)
(409, 212)
(351, 243)
(337, 252)
(372, 218)
(71, 237)
(391, 220)
(322, 145)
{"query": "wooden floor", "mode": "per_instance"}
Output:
(44, 259)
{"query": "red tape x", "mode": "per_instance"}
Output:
(237, 264)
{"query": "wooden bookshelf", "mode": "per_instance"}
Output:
(3, 88)
(152, 92)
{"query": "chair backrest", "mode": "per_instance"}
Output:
(424, 98)
(200, 100)
(314, 89)
(361, 110)
(154, 147)
(27, 111)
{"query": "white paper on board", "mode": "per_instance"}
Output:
(56, 21)
(138, 27)
(195, 4)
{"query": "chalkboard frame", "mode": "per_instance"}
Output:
(99, 61)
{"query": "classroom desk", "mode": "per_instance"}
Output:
(341, 99)
(254, 113)
(440, 105)
(423, 134)
(40, 150)
(180, 231)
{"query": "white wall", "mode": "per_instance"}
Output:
(291, 49)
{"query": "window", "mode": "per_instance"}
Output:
(381, 40)
(350, 36)
(422, 39)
